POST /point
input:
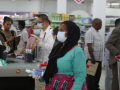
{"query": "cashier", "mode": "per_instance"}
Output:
(46, 34)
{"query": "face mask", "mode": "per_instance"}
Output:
(39, 25)
(61, 36)
(36, 31)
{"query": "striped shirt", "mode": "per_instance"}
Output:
(93, 36)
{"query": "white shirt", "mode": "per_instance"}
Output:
(49, 41)
(23, 39)
(13, 29)
(93, 36)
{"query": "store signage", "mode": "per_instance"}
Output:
(79, 1)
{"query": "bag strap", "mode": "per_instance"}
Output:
(3, 36)
(12, 32)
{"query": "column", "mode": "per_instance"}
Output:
(62, 6)
(41, 4)
(99, 11)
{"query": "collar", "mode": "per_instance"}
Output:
(92, 28)
(48, 29)
(23, 30)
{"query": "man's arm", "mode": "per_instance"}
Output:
(90, 50)
(111, 41)
(25, 38)
(89, 41)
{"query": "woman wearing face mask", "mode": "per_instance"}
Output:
(31, 41)
(66, 68)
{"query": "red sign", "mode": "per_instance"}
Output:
(79, 1)
(18, 71)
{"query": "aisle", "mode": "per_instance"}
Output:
(102, 81)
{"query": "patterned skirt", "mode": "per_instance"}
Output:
(62, 82)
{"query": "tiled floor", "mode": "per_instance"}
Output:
(102, 80)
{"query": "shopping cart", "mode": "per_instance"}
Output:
(118, 65)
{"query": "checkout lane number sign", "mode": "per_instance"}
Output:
(79, 1)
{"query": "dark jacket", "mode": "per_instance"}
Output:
(113, 45)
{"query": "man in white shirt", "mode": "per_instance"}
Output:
(12, 27)
(23, 36)
(45, 34)
(94, 52)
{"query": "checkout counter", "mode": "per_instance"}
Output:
(14, 77)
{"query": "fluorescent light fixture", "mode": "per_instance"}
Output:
(13, 0)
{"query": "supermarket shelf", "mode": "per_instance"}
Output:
(106, 33)
(24, 19)
(63, 21)
(80, 41)
(82, 36)
(86, 24)
(110, 25)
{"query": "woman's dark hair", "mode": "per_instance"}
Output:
(6, 19)
(72, 40)
(55, 31)
(22, 23)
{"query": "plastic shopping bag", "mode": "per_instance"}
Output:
(35, 73)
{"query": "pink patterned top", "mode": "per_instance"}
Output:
(30, 31)
(30, 42)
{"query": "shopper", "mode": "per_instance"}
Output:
(45, 34)
(55, 31)
(1, 27)
(94, 52)
(67, 64)
(108, 78)
(12, 27)
(32, 40)
(23, 37)
(113, 45)
(30, 30)
(106, 61)
(8, 36)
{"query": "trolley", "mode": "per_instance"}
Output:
(118, 65)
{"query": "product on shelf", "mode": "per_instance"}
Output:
(64, 17)
(54, 25)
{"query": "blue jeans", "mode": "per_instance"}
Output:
(108, 79)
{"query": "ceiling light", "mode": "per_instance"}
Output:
(13, 0)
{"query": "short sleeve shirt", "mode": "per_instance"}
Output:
(7, 36)
(23, 39)
(93, 36)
